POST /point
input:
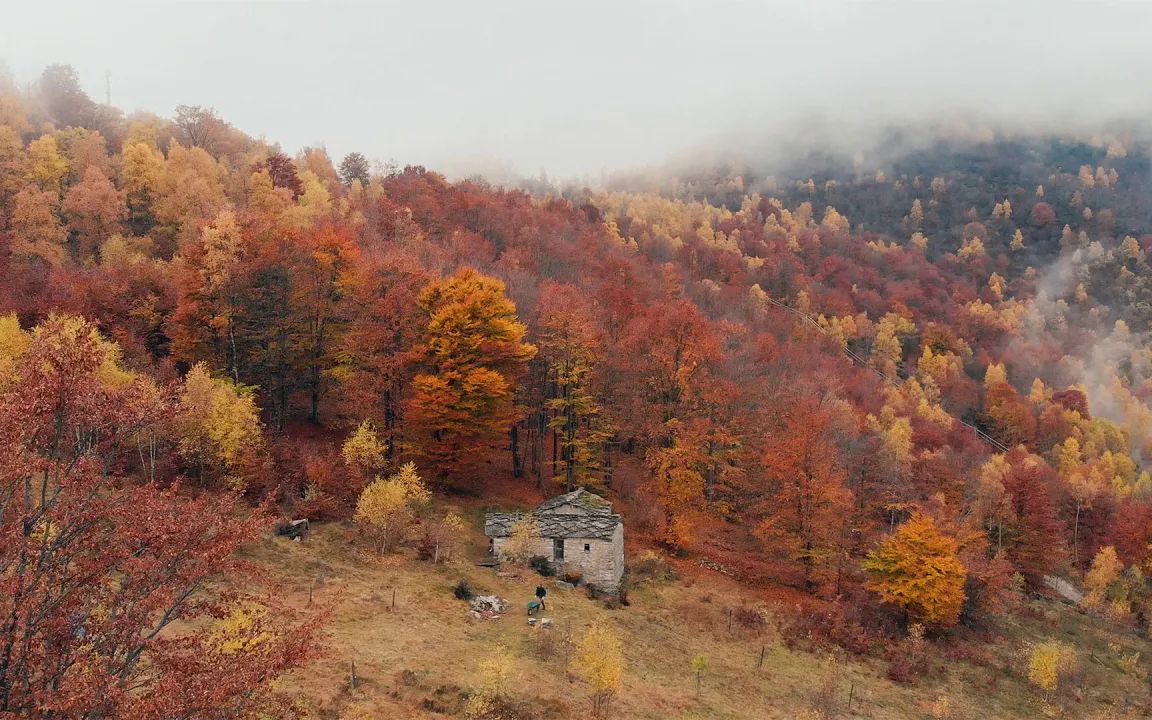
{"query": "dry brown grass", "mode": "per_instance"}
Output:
(419, 659)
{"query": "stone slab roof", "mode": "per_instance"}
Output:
(580, 498)
(596, 526)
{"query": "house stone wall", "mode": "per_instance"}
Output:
(601, 565)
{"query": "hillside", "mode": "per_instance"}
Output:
(890, 396)
(421, 658)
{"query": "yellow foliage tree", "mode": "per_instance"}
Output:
(895, 434)
(35, 228)
(995, 374)
(916, 214)
(13, 342)
(496, 669)
(447, 536)
(140, 170)
(188, 189)
(46, 167)
(1105, 570)
(522, 540)
(218, 425)
(363, 452)
(599, 660)
(1047, 662)
(387, 507)
(917, 569)
(971, 248)
(240, 631)
(886, 348)
(996, 284)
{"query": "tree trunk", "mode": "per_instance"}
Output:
(514, 437)
(1076, 538)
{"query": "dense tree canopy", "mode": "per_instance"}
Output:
(793, 363)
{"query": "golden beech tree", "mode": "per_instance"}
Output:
(1105, 570)
(12, 161)
(83, 149)
(46, 166)
(203, 326)
(324, 280)
(218, 426)
(387, 507)
(679, 486)
(140, 170)
(599, 660)
(187, 191)
(468, 360)
(917, 570)
(363, 452)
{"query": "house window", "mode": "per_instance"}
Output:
(557, 548)
(587, 547)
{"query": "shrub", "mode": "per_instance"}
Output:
(749, 618)
(908, 660)
(826, 697)
(574, 577)
(836, 624)
(653, 567)
(542, 565)
(463, 590)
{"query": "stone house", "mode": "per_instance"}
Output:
(578, 532)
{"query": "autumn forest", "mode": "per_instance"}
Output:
(910, 391)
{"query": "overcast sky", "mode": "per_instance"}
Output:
(582, 87)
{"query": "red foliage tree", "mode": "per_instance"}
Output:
(1035, 542)
(283, 173)
(806, 508)
(95, 572)
(1042, 214)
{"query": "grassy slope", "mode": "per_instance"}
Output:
(417, 660)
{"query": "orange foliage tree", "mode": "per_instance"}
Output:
(469, 358)
(917, 570)
(805, 511)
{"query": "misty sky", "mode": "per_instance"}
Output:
(584, 87)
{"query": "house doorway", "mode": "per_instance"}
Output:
(558, 549)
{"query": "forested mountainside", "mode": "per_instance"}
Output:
(828, 383)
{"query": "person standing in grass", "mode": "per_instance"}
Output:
(540, 593)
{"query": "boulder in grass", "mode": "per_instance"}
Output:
(490, 606)
(293, 529)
